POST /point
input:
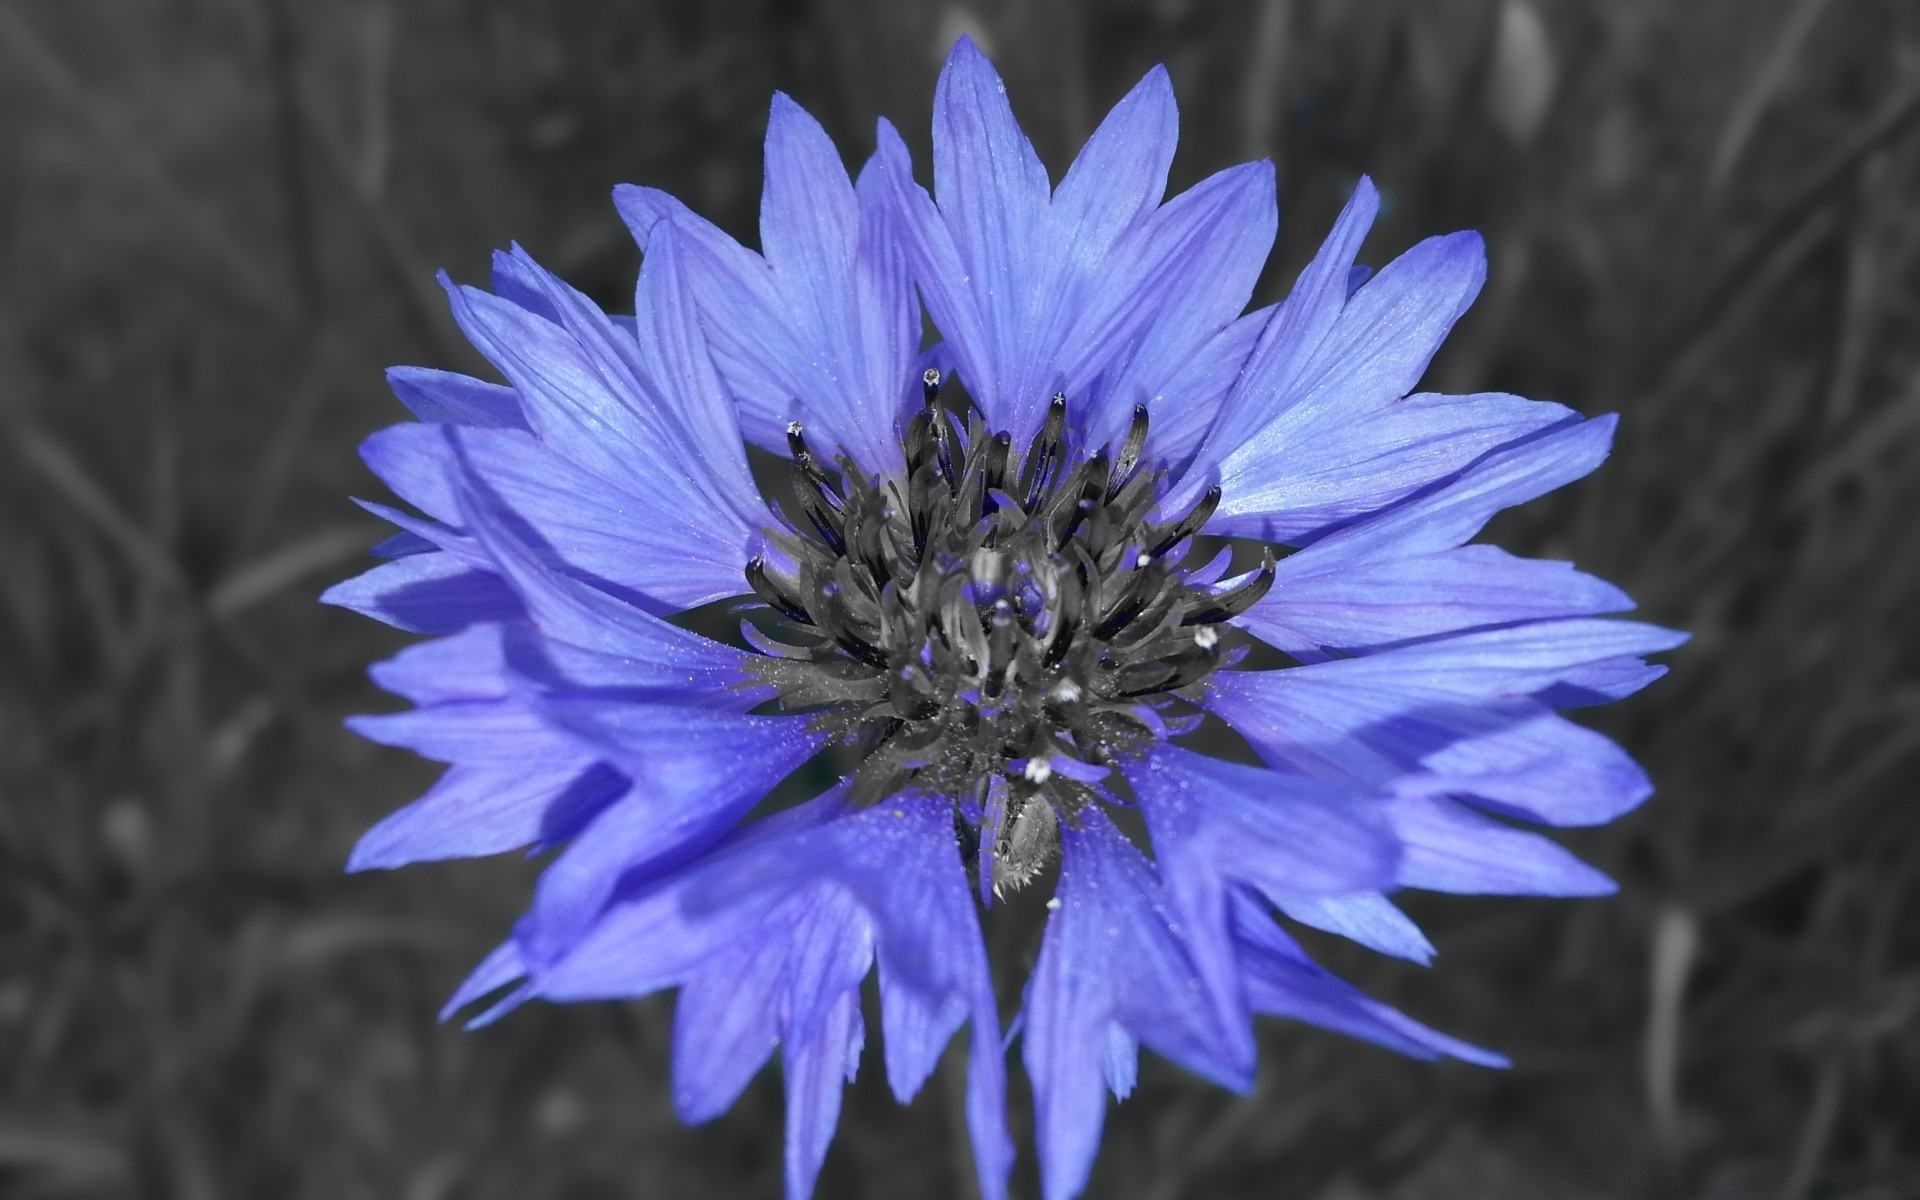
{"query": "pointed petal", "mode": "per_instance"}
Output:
(669, 557)
(466, 666)
(1164, 292)
(1214, 823)
(740, 305)
(1109, 957)
(944, 278)
(588, 638)
(726, 1024)
(993, 194)
(1452, 514)
(446, 398)
(1285, 489)
(1451, 848)
(480, 810)
(844, 287)
(1368, 918)
(898, 860)
(1283, 982)
(427, 593)
(1365, 605)
(1120, 174)
(820, 1062)
(696, 773)
(1288, 342)
(498, 969)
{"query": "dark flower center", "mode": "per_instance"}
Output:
(991, 617)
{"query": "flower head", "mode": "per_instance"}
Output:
(1008, 605)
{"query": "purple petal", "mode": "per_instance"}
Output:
(1452, 514)
(1109, 957)
(1363, 605)
(446, 398)
(740, 305)
(993, 193)
(427, 593)
(1119, 176)
(1452, 848)
(1287, 343)
(489, 809)
(1215, 822)
(1282, 981)
(696, 772)
(1285, 488)
(466, 666)
(1368, 918)
(1164, 292)
(820, 1062)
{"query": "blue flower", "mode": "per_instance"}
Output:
(1008, 609)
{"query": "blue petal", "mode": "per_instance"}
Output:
(498, 969)
(726, 1023)
(445, 398)
(1512, 661)
(1541, 768)
(1282, 981)
(1215, 822)
(769, 932)
(1601, 682)
(898, 859)
(687, 417)
(466, 666)
(819, 1064)
(1286, 487)
(993, 195)
(501, 732)
(1185, 404)
(1452, 848)
(1355, 606)
(1454, 713)
(846, 299)
(1369, 357)
(741, 307)
(1288, 341)
(489, 809)
(1163, 293)
(696, 772)
(1110, 957)
(833, 950)
(644, 419)
(590, 639)
(402, 544)
(823, 330)
(1120, 175)
(649, 545)
(1368, 918)
(1452, 514)
(427, 593)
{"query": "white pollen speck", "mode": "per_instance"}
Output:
(1143, 559)
(1039, 770)
(1206, 637)
(1053, 903)
(1066, 691)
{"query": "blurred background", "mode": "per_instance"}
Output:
(219, 221)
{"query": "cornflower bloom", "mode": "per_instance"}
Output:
(1005, 612)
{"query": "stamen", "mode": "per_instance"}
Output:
(987, 617)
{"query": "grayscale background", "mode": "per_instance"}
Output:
(219, 221)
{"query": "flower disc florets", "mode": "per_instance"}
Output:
(992, 616)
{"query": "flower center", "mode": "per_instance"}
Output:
(989, 618)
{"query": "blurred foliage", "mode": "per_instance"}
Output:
(218, 222)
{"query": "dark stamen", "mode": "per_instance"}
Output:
(987, 615)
